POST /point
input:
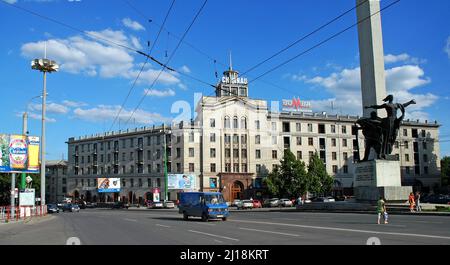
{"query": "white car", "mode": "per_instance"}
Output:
(235, 203)
(245, 204)
(286, 203)
(169, 204)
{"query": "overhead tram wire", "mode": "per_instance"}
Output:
(139, 12)
(143, 66)
(95, 36)
(169, 59)
(322, 42)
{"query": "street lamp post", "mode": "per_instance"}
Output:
(43, 65)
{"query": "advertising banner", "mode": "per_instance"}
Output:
(182, 182)
(108, 184)
(19, 154)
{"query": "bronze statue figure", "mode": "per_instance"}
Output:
(381, 133)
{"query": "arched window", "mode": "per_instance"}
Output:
(243, 123)
(235, 122)
(227, 123)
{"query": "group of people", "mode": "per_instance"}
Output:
(414, 202)
(414, 205)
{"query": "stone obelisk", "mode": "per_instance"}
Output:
(371, 54)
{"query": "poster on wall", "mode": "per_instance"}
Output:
(19, 154)
(181, 182)
(108, 184)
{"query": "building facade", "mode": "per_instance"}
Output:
(56, 180)
(233, 143)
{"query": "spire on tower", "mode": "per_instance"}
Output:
(231, 62)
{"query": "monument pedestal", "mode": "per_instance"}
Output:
(379, 178)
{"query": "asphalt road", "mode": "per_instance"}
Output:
(166, 227)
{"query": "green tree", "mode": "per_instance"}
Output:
(320, 181)
(5, 186)
(445, 170)
(289, 179)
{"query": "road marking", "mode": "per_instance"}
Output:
(131, 220)
(218, 241)
(202, 223)
(163, 225)
(345, 229)
(265, 231)
(208, 234)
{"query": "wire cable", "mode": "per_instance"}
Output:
(169, 59)
(143, 66)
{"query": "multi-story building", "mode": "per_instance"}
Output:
(234, 142)
(56, 180)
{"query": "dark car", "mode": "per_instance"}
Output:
(71, 207)
(120, 205)
(52, 208)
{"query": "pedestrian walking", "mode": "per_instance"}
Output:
(411, 202)
(418, 206)
(386, 215)
(381, 210)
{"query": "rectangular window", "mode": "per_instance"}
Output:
(258, 139)
(227, 153)
(131, 169)
(212, 152)
(191, 167)
(423, 133)
(124, 157)
(274, 140)
(310, 127)
(322, 128)
(257, 154)
(244, 168)
(178, 152)
(345, 168)
(158, 154)
(334, 155)
(131, 156)
(335, 169)
(286, 127)
(158, 168)
(149, 168)
(299, 155)
(228, 167)
(213, 167)
(333, 142)
(212, 123)
(191, 152)
(299, 140)
(191, 137)
(424, 145)
(235, 139)
(345, 156)
(235, 153)
(236, 167)
(414, 133)
(274, 154)
(212, 137)
(407, 157)
(406, 145)
(405, 132)
(244, 153)
(274, 126)
(344, 129)
(258, 168)
(310, 141)
(344, 142)
(333, 128)
(298, 127)
(425, 158)
(244, 139)
(227, 138)
(257, 125)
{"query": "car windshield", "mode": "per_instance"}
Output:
(214, 199)
(247, 201)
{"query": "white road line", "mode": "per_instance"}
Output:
(202, 223)
(345, 229)
(218, 241)
(208, 234)
(131, 220)
(265, 231)
(163, 225)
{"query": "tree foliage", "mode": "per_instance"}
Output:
(445, 170)
(321, 181)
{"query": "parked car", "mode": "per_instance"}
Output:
(169, 204)
(245, 204)
(257, 204)
(286, 203)
(207, 205)
(155, 205)
(91, 205)
(71, 207)
(274, 202)
(324, 199)
(52, 208)
(120, 205)
(235, 203)
(436, 198)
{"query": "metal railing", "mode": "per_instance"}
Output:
(21, 212)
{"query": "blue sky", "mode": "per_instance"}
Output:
(95, 76)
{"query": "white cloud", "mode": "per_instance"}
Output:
(36, 116)
(345, 86)
(159, 93)
(185, 69)
(73, 104)
(11, 1)
(404, 57)
(50, 108)
(447, 47)
(134, 25)
(136, 43)
(107, 112)
(94, 57)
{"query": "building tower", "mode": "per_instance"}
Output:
(231, 85)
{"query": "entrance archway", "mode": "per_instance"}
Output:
(237, 190)
(88, 196)
(76, 194)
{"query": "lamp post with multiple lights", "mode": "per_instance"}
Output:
(45, 66)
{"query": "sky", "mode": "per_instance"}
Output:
(95, 75)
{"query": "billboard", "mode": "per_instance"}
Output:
(19, 154)
(182, 182)
(27, 198)
(297, 105)
(108, 184)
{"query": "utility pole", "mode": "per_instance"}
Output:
(13, 195)
(25, 133)
(165, 164)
